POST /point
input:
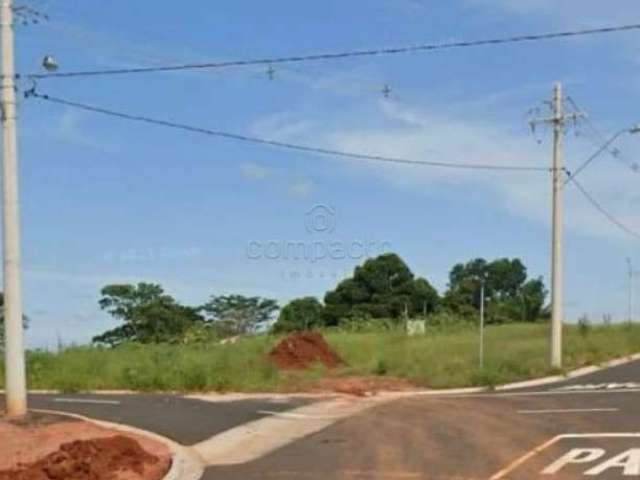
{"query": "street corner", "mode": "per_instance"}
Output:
(605, 456)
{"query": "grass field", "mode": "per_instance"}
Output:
(440, 359)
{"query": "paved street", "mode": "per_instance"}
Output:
(183, 420)
(470, 437)
(586, 427)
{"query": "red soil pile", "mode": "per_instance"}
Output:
(112, 458)
(301, 350)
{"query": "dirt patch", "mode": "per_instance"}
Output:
(56, 448)
(301, 350)
(362, 386)
(117, 457)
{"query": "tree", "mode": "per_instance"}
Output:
(149, 315)
(121, 300)
(533, 297)
(237, 314)
(383, 287)
(508, 294)
(300, 315)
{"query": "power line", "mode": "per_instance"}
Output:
(603, 148)
(279, 144)
(603, 144)
(602, 210)
(341, 55)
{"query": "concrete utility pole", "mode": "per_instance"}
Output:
(630, 306)
(558, 120)
(15, 372)
(557, 293)
(481, 356)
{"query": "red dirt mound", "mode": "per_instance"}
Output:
(113, 458)
(301, 350)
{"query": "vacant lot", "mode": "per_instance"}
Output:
(442, 358)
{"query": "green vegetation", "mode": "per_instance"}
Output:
(300, 314)
(223, 344)
(384, 288)
(149, 315)
(237, 314)
(445, 357)
(509, 295)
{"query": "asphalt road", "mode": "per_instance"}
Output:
(586, 427)
(183, 420)
(475, 437)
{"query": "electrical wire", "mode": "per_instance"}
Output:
(602, 143)
(603, 148)
(340, 55)
(275, 143)
(602, 210)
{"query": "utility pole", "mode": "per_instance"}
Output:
(630, 305)
(481, 356)
(558, 120)
(557, 293)
(15, 371)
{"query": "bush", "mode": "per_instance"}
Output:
(357, 324)
(584, 325)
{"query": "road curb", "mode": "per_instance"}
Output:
(580, 372)
(537, 382)
(185, 463)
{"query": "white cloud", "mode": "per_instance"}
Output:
(279, 180)
(301, 189)
(435, 134)
(572, 12)
(69, 129)
(253, 170)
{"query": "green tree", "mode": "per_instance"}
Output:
(237, 314)
(299, 315)
(383, 287)
(533, 298)
(149, 315)
(509, 296)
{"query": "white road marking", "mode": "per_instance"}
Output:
(532, 453)
(538, 393)
(600, 386)
(497, 394)
(574, 456)
(300, 416)
(86, 400)
(629, 461)
(568, 410)
(519, 461)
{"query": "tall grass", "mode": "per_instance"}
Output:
(444, 357)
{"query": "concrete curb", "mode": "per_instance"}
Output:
(580, 372)
(185, 463)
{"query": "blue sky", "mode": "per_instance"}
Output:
(110, 201)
